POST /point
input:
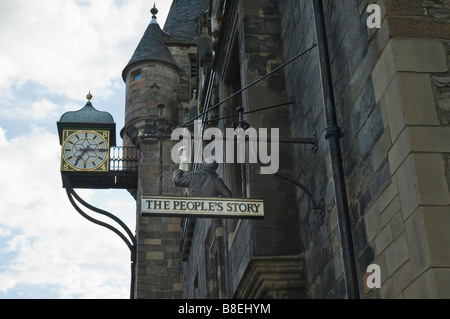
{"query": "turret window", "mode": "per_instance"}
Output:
(136, 75)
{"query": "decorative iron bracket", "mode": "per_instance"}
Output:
(131, 242)
(317, 205)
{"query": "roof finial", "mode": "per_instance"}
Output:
(89, 96)
(154, 11)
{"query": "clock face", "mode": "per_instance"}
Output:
(85, 151)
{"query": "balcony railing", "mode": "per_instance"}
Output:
(123, 159)
(122, 174)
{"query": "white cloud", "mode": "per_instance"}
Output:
(52, 53)
(34, 110)
(69, 46)
(43, 109)
(50, 242)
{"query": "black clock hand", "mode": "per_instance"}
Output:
(83, 151)
(90, 149)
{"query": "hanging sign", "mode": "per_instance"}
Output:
(157, 206)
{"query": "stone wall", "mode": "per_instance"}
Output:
(159, 266)
(391, 96)
(249, 48)
(159, 84)
(392, 101)
(352, 57)
(441, 88)
(183, 56)
(259, 53)
(400, 225)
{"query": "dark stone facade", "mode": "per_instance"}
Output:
(390, 94)
(353, 57)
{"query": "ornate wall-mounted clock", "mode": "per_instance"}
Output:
(90, 157)
(85, 150)
(86, 137)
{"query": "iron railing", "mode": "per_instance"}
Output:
(123, 159)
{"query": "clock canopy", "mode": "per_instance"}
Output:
(88, 118)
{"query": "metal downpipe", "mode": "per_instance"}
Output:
(333, 135)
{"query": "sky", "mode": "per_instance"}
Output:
(52, 53)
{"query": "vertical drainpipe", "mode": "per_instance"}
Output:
(333, 135)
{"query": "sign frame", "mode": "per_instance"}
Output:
(202, 207)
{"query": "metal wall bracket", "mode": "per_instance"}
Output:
(317, 205)
(131, 242)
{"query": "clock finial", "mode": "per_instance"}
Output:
(89, 96)
(154, 11)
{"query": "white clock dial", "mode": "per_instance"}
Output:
(85, 150)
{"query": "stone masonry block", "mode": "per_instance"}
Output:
(431, 139)
(154, 255)
(397, 224)
(383, 239)
(402, 7)
(418, 26)
(387, 290)
(372, 222)
(417, 242)
(388, 195)
(419, 55)
(421, 180)
(396, 254)
(431, 180)
(388, 213)
(383, 72)
(433, 284)
(402, 278)
(394, 109)
(409, 101)
(408, 55)
(400, 150)
(153, 242)
(437, 225)
(382, 104)
(407, 187)
(380, 150)
(417, 98)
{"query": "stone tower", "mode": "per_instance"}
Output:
(162, 71)
(152, 78)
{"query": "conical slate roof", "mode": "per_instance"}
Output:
(152, 46)
(180, 28)
(182, 19)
